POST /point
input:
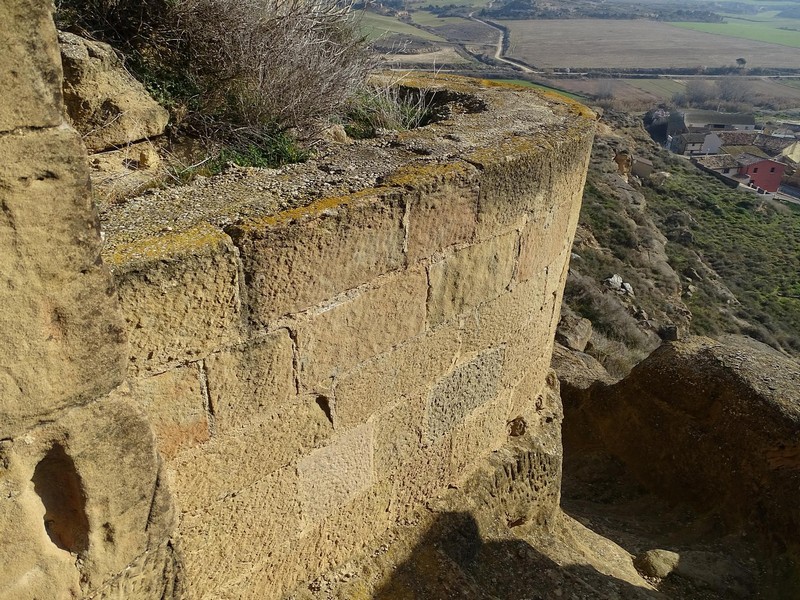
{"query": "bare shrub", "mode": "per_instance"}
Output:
(734, 89)
(699, 91)
(225, 65)
(273, 62)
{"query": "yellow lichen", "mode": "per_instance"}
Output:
(167, 246)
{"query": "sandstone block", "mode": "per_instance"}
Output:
(415, 468)
(235, 459)
(155, 574)
(543, 241)
(513, 187)
(300, 258)
(334, 475)
(481, 432)
(398, 435)
(494, 322)
(528, 351)
(237, 532)
(175, 408)
(459, 393)
(404, 372)
(471, 276)
(103, 101)
(62, 341)
(443, 208)
(340, 536)
(361, 328)
(179, 295)
(250, 381)
(30, 71)
(520, 178)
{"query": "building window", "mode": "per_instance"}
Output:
(755, 170)
(727, 171)
(772, 169)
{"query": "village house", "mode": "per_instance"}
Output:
(746, 169)
(692, 121)
(764, 173)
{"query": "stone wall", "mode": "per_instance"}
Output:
(316, 376)
(302, 382)
(81, 498)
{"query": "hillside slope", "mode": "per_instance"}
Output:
(697, 255)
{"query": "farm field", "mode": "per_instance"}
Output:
(598, 43)
(375, 26)
(428, 19)
(424, 60)
(637, 94)
(757, 28)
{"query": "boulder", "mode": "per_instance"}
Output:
(710, 425)
(104, 102)
(574, 332)
(656, 563)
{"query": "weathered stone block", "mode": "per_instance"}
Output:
(495, 321)
(542, 242)
(521, 175)
(232, 461)
(332, 476)
(302, 257)
(174, 404)
(237, 532)
(462, 391)
(180, 297)
(528, 350)
(443, 208)
(471, 276)
(250, 381)
(340, 536)
(398, 435)
(481, 432)
(62, 341)
(403, 372)
(360, 328)
(414, 466)
(30, 71)
(157, 573)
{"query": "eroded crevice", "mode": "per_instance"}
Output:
(324, 404)
(58, 484)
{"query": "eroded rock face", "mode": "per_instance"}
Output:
(712, 425)
(84, 510)
(104, 102)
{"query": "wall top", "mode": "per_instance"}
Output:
(480, 123)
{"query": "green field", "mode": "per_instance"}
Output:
(753, 28)
(375, 26)
(543, 88)
(428, 19)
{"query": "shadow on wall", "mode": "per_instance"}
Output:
(453, 561)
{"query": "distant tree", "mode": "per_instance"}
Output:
(740, 62)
